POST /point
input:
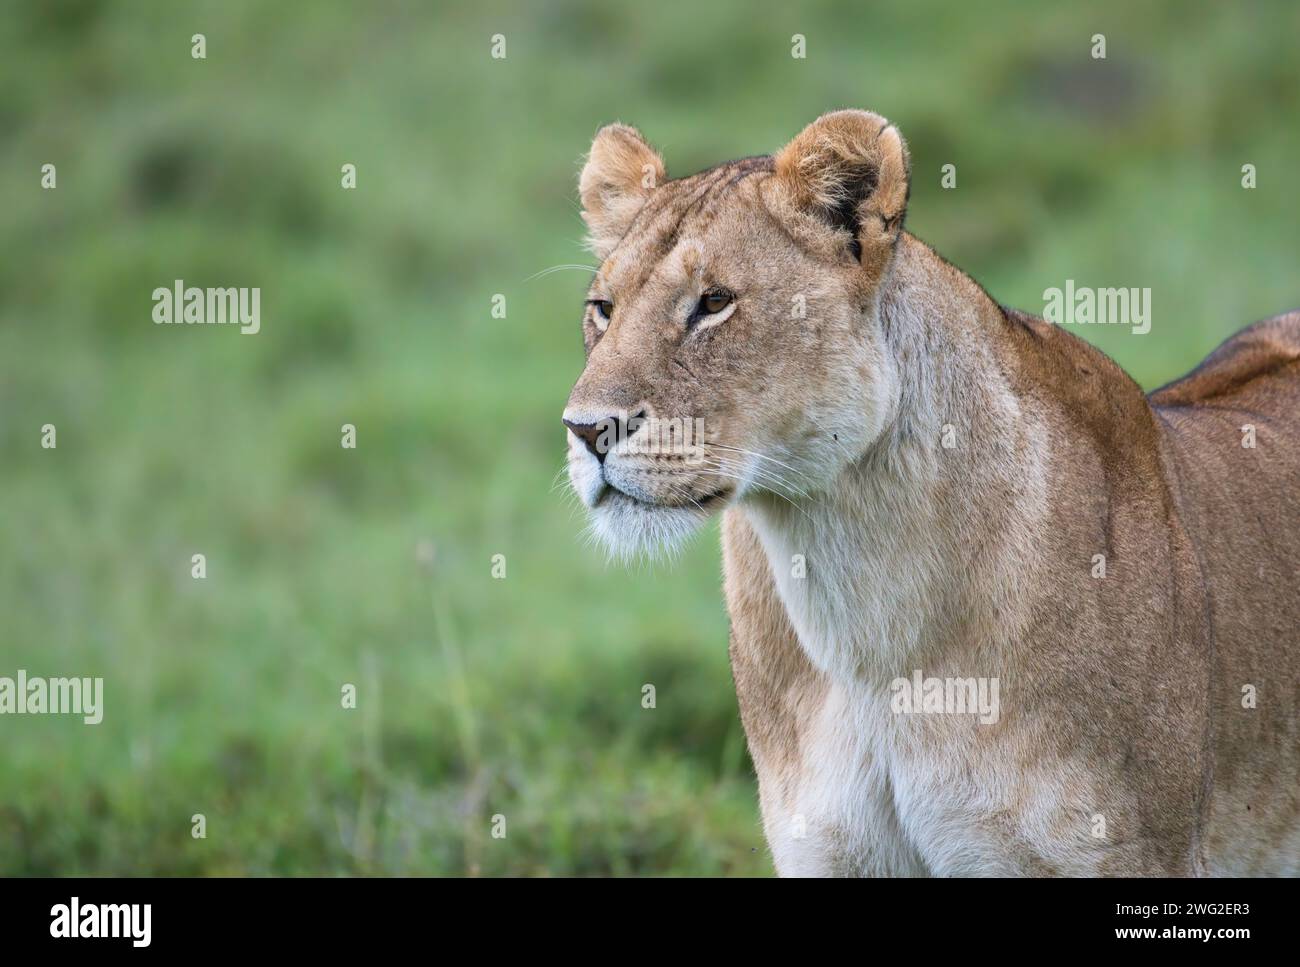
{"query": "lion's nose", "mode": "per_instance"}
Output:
(590, 434)
(605, 434)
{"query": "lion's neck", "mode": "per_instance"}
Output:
(918, 555)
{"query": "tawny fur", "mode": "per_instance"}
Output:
(857, 547)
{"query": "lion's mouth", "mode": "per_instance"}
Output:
(714, 498)
(703, 502)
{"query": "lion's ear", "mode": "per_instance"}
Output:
(621, 171)
(850, 170)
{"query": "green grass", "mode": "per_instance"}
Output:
(478, 697)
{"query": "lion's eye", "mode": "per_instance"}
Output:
(601, 310)
(714, 302)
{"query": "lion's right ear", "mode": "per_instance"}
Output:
(621, 172)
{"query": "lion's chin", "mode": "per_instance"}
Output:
(629, 529)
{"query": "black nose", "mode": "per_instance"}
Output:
(605, 434)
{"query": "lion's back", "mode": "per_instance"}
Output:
(1234, 431)
(1259, 365)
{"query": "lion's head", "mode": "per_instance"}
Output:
(732, 331)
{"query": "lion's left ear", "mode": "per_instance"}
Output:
(850, 171)
(621, 172)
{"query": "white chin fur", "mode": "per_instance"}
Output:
(629, 529)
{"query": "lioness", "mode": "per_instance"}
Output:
(922, 486)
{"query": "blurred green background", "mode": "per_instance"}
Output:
(477, 697)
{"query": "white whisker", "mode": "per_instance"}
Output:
(560, 268)
(760, 456)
